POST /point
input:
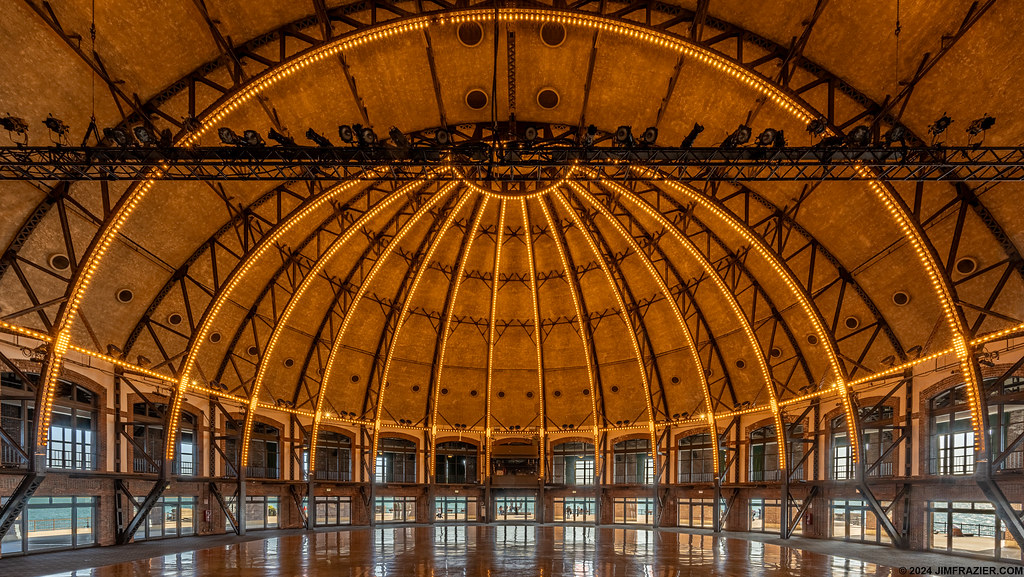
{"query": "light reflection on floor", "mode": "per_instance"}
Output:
(493, 551)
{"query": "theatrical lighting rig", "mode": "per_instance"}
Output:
(624, 136)
(978, 127)
(318, 139)
(589, 136)
(739, 137)
(896, 134)
(15, 126)
(347, 135)
(650, 136)
(938, 127)
(691, 137)
(816, 127)
(280, 138)
(58, 130)
(771, 138)
(859, 137)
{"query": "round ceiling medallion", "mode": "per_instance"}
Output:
(852, 322)
(900, 298)
(252, 351)
(470, 34)
(476, 99)
(547, 98)
(60, 262)
(214, 337)
(966, 265)
(174, 319)
(289, 362)
(552, 34)
(125, 295)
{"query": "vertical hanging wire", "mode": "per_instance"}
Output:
(899, 28)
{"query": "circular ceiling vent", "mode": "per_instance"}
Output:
(415, 388)
(741, 363)
(557, 393)
(552, 34)
(615, 389)
(812, 339)
(851, 322)
(776, 352)
(501, 394)
(476, 99)
(900, 298)
(586, 392)
(60, 262)
(444, 391)
(355, 378)
(473, 393)
(675, 380)
(529, 394)
(470, 34)
(289, 362)
(966, 265)
(174, 319)
(547, 98)
(252, 351)
(125, 295)
(214, 337)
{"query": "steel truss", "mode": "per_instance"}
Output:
(514, 163)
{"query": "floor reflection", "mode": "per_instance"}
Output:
(504, 550)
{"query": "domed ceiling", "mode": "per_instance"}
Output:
(572, 302)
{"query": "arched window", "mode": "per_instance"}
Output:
(764, 453)
(396, 461)
(633, 463)
(877, 431)
(73, 425)
(573, 463)
(264, 449)
(952, 436)
(148, 439)
(455, 463)
(696, 459)
(333, 457)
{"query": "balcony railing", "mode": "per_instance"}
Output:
(759, 476)
(328, 475)
(261, 472)
(696, 477)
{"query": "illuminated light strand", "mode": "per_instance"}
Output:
(576, 301)
(336, 345)
(332, 358)
(238, 275)
(457, 280)
(408, 303)
(523, 197)
(684, 328)
(491, 331)
(624, 313)
(537, 333)
(729, 297)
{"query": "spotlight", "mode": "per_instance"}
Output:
(692, 136)
(57, 128)
(650, 136)
(398, 138)
(830, 142)
(318, 139)
(228, 136)
(771, 137)
(816, 127)
(895, 134)
(365, 136)
(981, 125)
(346, 134)
(624, 136)
(739, 137)
(939, 126)
(191, 124)
(145, 136)
(118, 136)
(442, 137)
(252, 138)
(166, 139)
(530, 134)
(15, 125)
(280, 138)
(859, 137)
(588, 138)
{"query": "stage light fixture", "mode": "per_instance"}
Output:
(896, 134)
(442, 137)
(365, 135)
(739, 137)
(859, 137)
(939, 126)
(530, 134)
(398, 138)
(816, 127)
(280, 138)
(228, 136)
(771, 137)
(590, 135)
(252, 138)
(58, 130)
(346, 134)
(144, 136)
(981, 125)
(692, 135)
(14, 125)
(650, 136)
(118, 136)
(624, 136)
(318, 139)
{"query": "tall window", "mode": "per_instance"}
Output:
(952, 436)
(148, 437)
(633, 463)
(52, 523)
(396, 461)
(573, 463)
(764, 455)
(877, 431)
(73, 425)
(455, 463)
(696, 459)
(264, 449)
(333, 457)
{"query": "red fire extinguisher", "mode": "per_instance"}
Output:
(809, 518)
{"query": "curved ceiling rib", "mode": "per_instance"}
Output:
(623, 312)
(448, 311)
(491, 330)
(538, 333)
(709, 410)
(586, 332)
(332, 358)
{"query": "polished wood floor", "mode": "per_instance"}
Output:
(493, 551)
